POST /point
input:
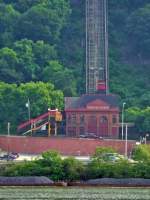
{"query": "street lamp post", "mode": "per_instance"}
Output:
(146, 137)
(8, 135)
(122, 130)
(56, 122)
(29, 112)
(49, 125)
(126, 141)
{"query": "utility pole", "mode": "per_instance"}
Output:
(122, 123)
(8, 135)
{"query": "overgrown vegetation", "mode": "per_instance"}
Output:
(51, 165)
(141, 153)
(44, 41)
(69, 169)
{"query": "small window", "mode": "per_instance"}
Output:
(114, 119)
(81, 130)
(69, 118)
(81, 119)
(72, 131)
(73, 119)
(92, 118)
(103, 119)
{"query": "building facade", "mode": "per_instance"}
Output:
(96, 115)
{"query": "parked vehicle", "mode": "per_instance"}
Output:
(112, 157)
(10, 156)
(91, 135)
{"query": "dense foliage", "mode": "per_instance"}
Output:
(51, 165)
(44, 40)
(13, 99)
(141, 153)
(141, 119)
(69, 169)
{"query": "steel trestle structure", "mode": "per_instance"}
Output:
(96, 47)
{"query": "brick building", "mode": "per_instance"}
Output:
(95, 114)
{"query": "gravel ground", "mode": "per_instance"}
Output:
(30, 193)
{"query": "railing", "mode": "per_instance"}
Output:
(51, 113)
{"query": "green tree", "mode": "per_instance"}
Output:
(52, 160)
(71, 48)
(145, 126)
(73, 169)
(8, 106)
(43, 21)
(43, 53)
(61, 77)
(8, 19)
(23, 5)
(26, 62)
(9, 71)
(13, 99)
(42, 96)
(33, 57)
(141, 118)
(141, 153)
(138, 29)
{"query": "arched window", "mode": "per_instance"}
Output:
(103, 120)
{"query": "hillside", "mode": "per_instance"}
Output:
(44, 41)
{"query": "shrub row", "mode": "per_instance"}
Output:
(53, 166)
(120, 169)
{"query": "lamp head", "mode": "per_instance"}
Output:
(124, 103)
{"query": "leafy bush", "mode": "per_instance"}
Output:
(101, 151)
(141, 153)
(70, 169)
(120, 169)
(73, 169)
(102, 165)
(142, 170)
(123, 169)
(27, 168)
(96, 169)
(51, 165)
